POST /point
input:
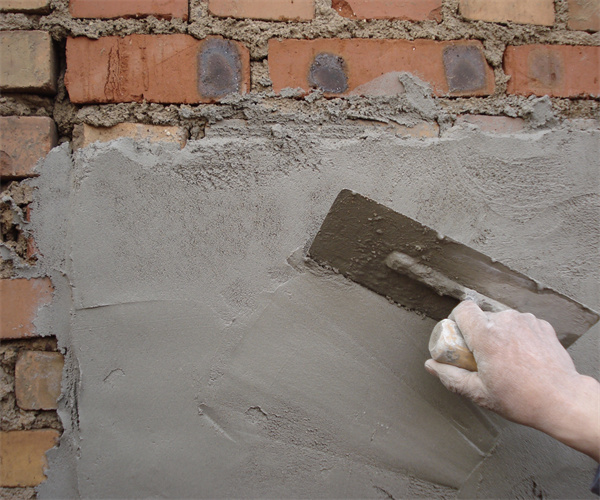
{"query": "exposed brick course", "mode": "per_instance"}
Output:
(38, 376)
(270, 10)
(29, 6)
(411, 10)
(23, 141)
(111, 9)
(27, 62)
(584, 15)
(142, 67)
(518, 11)
(339, 66)
(20, 300)
(22, 456)
(85, 134)
(554, 70)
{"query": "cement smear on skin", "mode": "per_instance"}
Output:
(203, 364)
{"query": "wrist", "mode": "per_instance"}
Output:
(573, 416)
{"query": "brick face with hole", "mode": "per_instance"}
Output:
(338, 67)
(140, 68)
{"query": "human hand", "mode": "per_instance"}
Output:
(525, 375)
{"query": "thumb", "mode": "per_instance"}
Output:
(458, 380)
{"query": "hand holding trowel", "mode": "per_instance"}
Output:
(420, 269)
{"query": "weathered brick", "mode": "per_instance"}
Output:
(411, 10)
(518, 11)
(495, 124)
(29, 6)
(584, 15)
(112, 9)
(554, 70)
(23, 141)
(27, 62)
(339, 66)
(141, 67)
(20, 300)
(38, 375)
(23, 456)
(270, 10)
(84, 135)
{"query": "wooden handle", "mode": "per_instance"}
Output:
(447, 345)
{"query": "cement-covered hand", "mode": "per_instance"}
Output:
(525, 375)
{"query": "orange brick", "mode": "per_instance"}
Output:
(27, 62)
(270, 10)
(20, 300)
(30, 6)
(112, 9)
(339, 66)
(37, 379)
(23, 141)
(518, 11)
(23, 456)
(584, 15)
(554, 70)
(495, 124)
(411, 10)
(142, 67)
(84, 135)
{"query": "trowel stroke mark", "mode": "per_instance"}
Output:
(319, 386)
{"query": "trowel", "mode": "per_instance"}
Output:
(423, 270)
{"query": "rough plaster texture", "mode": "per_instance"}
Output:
(206, 358)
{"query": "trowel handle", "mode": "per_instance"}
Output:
(447, 345)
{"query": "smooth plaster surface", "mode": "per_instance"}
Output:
(207, 359)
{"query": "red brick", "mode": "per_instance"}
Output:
(584, 15)
(20, 300)
(554, 70)
(518, 11)
(23, 141)
(270, 10)
(112, 9)
(339, 66)
(23, 456)
(411, 10)
(29, 6)
(37, 379)
(27, 62)
(143, 67)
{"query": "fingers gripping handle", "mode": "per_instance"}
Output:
(447, 345)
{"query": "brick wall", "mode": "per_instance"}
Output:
(89, 70)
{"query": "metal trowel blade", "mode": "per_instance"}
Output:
(358, 234)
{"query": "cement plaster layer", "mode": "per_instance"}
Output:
(207, 359)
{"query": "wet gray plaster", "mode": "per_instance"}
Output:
(206, 359)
